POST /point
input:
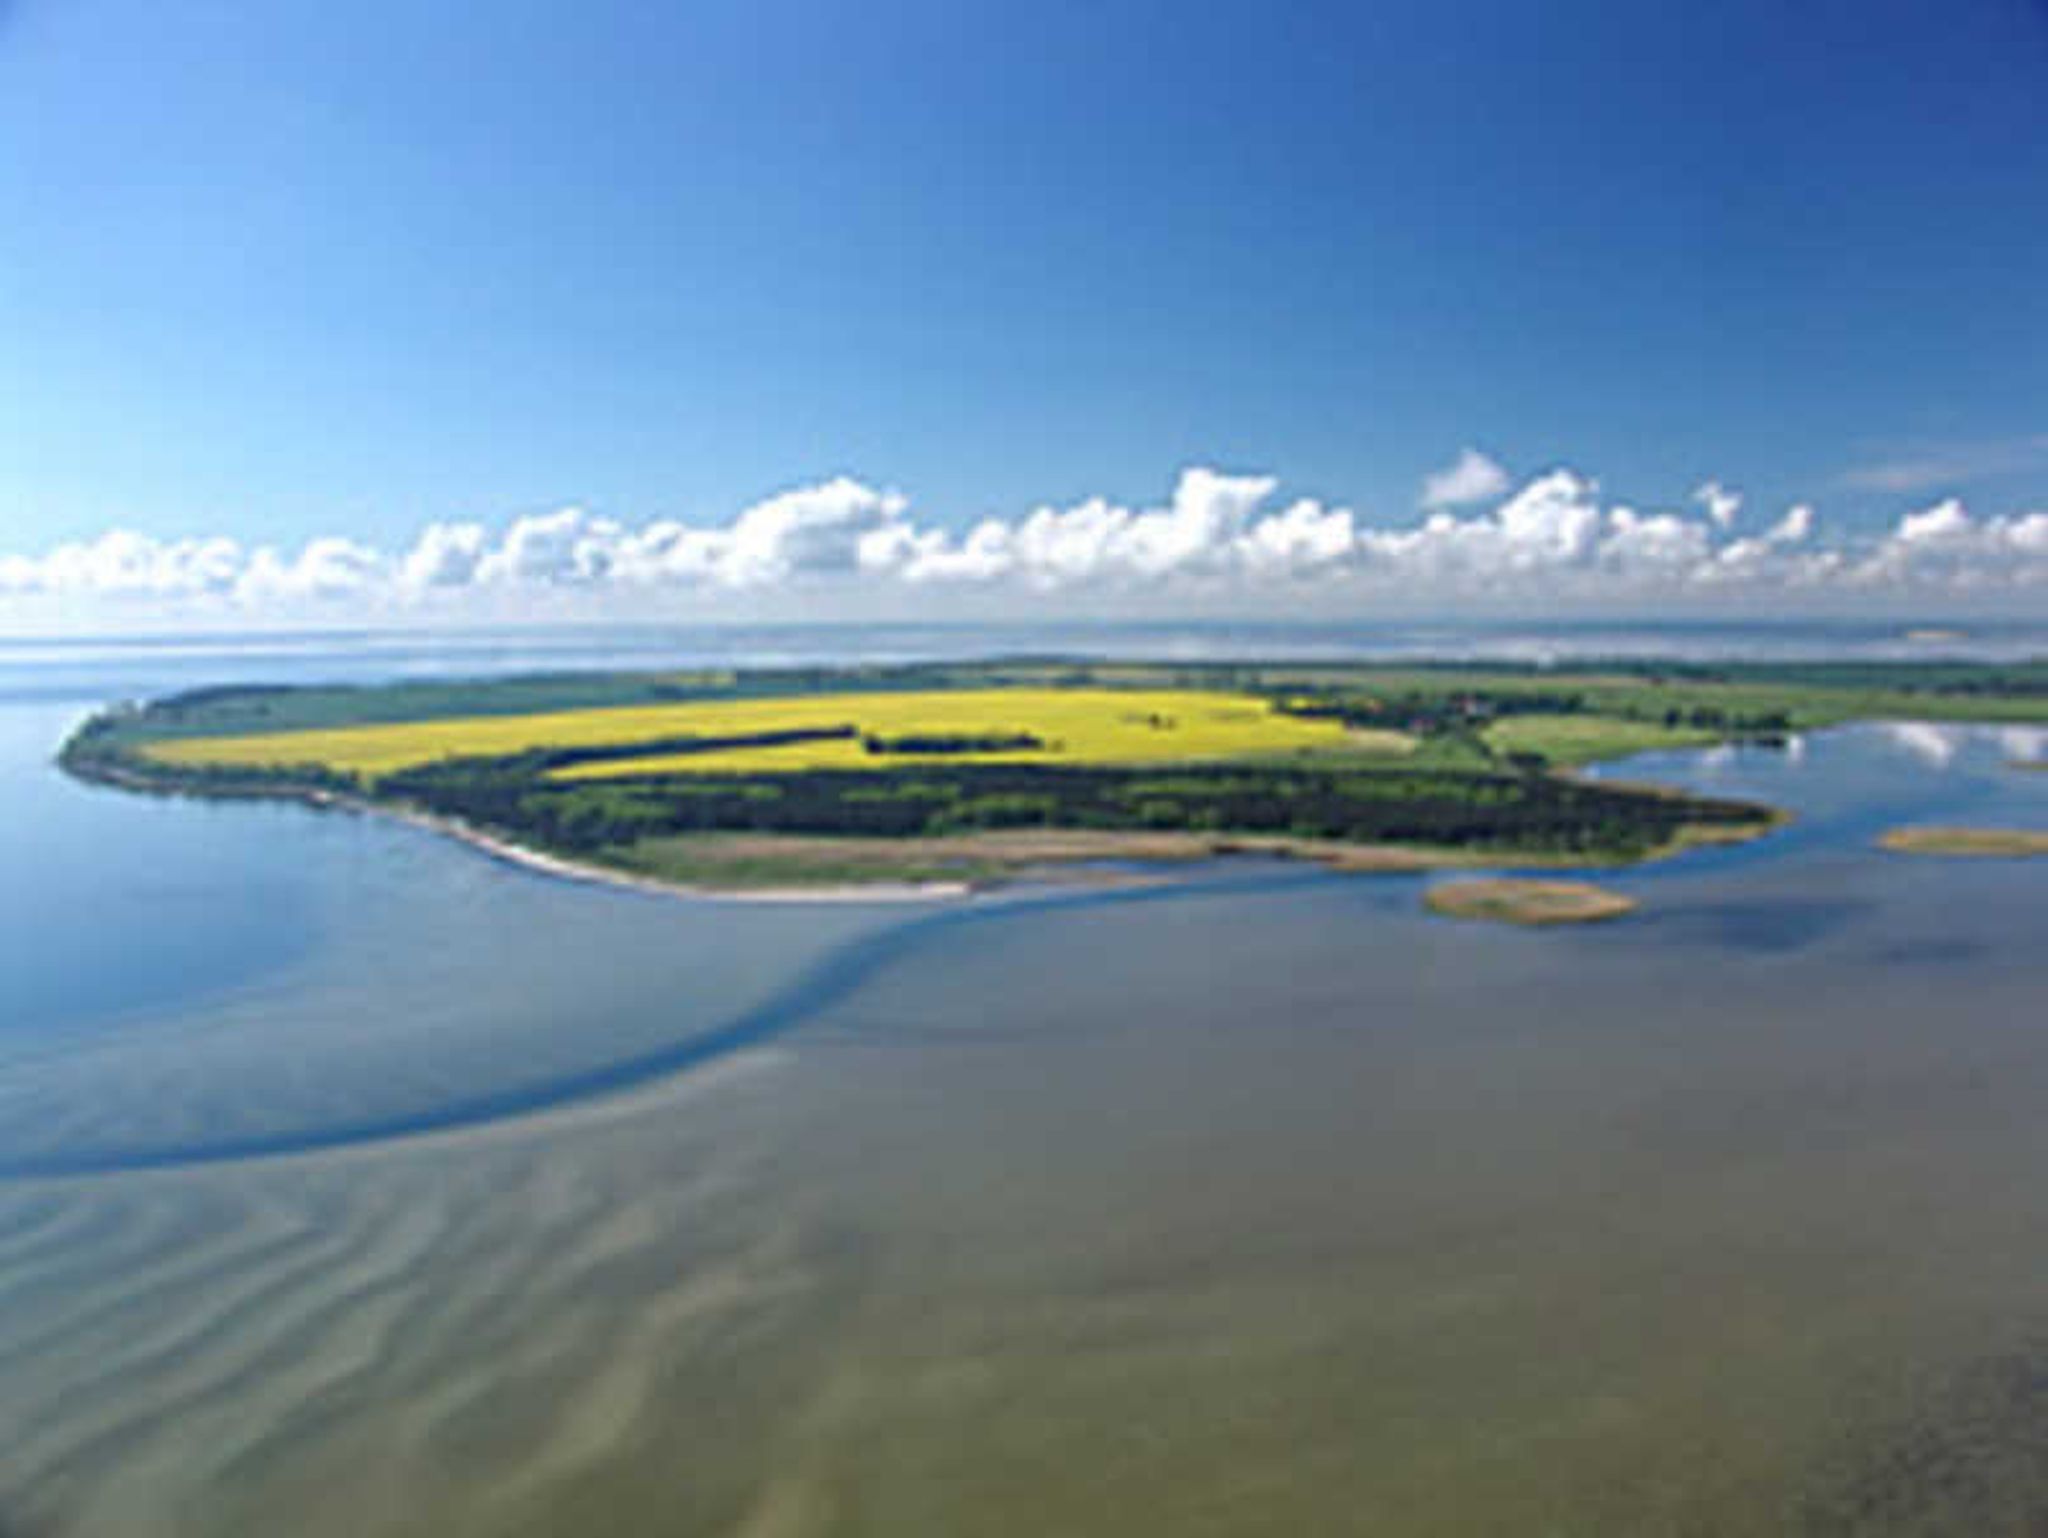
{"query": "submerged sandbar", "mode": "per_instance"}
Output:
(1966, 841)
(1520, 900)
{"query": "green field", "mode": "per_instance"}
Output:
(1564, 740)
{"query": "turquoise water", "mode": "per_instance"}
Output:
(1263, 1203)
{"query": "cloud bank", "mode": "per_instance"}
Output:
(1221, 540)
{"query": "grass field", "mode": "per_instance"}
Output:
(1079, 726)
(1581, 739)
(1809, 697)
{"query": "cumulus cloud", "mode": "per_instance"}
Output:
(1208, 529)
(565, 547)
(1555, 539)
(327, 568)
(124, 563)
(835, 529)
(1474, 478)
(445, 555)
(1945, 545)
(1746, 560)
(1795, 526)
(1721, 504)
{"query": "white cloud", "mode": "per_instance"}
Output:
(566, 547)
(328, 568)
(1217, 537)
(1792, 529)
(1474, 478)
(1303, 539)
(1202, 531)
(1945, 546)
(1721, 504)
(445, 555)
(1768, 553)
(124, 563)
(832, 529)
(1663, 545)
(1551, 521)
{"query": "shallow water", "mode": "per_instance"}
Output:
(1263, 1204)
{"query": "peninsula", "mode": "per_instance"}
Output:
(939, 776)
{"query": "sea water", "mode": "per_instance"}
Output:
(1258, 1202)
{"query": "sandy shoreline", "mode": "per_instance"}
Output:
(565, 869)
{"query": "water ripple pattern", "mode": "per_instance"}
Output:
(827, 981)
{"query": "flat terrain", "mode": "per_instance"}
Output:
(779, 734)
(1510, 900)
(1582, 739)
(908, 772)
(1966, 841)
(743, 861)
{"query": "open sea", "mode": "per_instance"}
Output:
(353, 1182)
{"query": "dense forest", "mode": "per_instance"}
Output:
(1305, 800)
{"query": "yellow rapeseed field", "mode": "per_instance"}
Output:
(1076, 725)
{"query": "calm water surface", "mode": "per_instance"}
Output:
(1262, 1204)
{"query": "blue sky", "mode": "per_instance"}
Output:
(291, 270)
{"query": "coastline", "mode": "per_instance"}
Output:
(525, 856)
(564, 869)
(1075, 869)
(860, 863)
(1063, 856)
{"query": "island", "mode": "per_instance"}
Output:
(1980, 842)
(944, 777)
(1519, 900)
